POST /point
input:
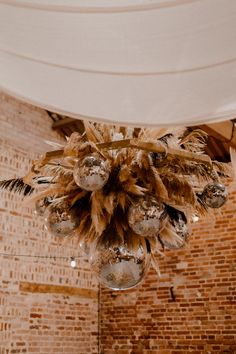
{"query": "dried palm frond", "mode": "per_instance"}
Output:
(159, 188)
(225, 170)
(55, 144)
(92, 133)
(73, 143)
(178, 188)
(152, 133)
(168, 236)
(155, 265)
(99, 216)
(17, 185)
(105, 132)
(58, 170)
(195, 140)
(122, 200)
(186, 168)
(233, 160)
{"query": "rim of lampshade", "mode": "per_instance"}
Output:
(209, 118)
(92, 6)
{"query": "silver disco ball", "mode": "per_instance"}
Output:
(214, 195)
(62, 220)
(119, 265)
(91, 172)
(146, 216)
(41, 206)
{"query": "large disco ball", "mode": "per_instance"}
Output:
(214, 195)
(176, 232)
(91, 172)
(62, 220)
(120, 265)
(146, 216)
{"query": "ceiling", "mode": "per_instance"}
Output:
(221, 135)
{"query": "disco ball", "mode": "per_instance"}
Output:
(62, 220)
(146, 216)
(41, 206)
(214, 195)
(120, 265)
(91, 173)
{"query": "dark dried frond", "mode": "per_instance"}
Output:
(164, 139)
(17, 186)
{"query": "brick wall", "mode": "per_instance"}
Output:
(202, 319)
(38, 311)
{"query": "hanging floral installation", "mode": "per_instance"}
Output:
(125, 194)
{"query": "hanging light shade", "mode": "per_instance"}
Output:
(160, 62)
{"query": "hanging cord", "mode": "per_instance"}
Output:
(38, 256)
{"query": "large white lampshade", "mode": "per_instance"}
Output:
(138, 62)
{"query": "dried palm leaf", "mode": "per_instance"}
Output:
(98, 215)
(151, 133)
(54, 144)
(233, 160)
(186, 168)
(17, 185)
(110, 203)
(155, 265)
(158, 186)
(79, 195)
(169, 236)
(52, 192)
(178, 188)
(132, 188)
(224, 170)
(58, 170)
(122, 200)
(92, 133)
(195, 140)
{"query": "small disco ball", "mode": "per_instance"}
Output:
(62, 220)
(41, 206)
(120, 265)
(176, 233)
(214, 195)
(146, 216)
(91, 172)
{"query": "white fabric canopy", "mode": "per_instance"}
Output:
(139, 62)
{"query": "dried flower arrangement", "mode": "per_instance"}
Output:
(125, 194)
